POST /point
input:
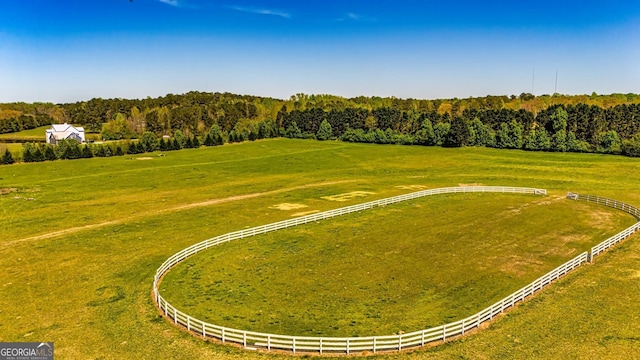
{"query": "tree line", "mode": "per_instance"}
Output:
(24, 122)
(595, 123)
(578, 128)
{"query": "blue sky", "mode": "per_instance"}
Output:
(71, 50)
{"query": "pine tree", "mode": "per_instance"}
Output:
(458, 133)
(208, 141)
(132, 148)
(324, 132)
(38, 155)
(27, 152)
(49, 154)
(163, 145)
(7, 158)
(100, 151)
(86, 152)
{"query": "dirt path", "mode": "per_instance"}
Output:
(168, 210)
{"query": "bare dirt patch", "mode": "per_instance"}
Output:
(176, 208)
(144, 158)
(5, 191)
(288, 206)
(472, 184)
(600, 219)
(304, 213)
(517, 265)
(411, 187)
(348, 196)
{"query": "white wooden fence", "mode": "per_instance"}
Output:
(596, 250)
(255, 340)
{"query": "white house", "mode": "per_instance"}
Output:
(63, 132)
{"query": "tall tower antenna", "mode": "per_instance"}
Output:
(533, 79)
(555, 89)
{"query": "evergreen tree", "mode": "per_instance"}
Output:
(425, 136)
(195, 142)
(208, 141)
(86, 152)
(575, 145)
(132, 149)
(559, 141)
(509, 135)
(480, 134)
(609, 143)
(458, 134)
(162, 145)
(324, 132)
(149, 141)
(27, 152)
(216, 135)
(49, 153)
(440, 132)
(631, 147)
(293, 131)
(118, 151)
(38, 155)
(179, 136)
(7, 157)
(100, 151)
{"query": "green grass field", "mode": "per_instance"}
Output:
(81, 240)
(37, 134)
(397, 269)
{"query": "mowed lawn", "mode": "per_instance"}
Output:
(390, 270)
(81, 239)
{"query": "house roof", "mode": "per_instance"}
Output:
(65, 128)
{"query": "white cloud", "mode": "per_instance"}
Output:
(259, 11)
(170, 2)
(358, 17)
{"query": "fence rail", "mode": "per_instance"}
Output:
(348, 345)
(606, 244)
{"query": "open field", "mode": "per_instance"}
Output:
(82, 239)
(391, 270)
(36, 134)
(15, 148)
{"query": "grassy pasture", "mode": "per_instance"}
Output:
(82, 239)
(401, 268)
(35, 134)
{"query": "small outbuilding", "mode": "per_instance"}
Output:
(64, 131)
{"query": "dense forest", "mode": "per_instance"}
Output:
(582, 123)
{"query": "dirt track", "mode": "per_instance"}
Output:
(171, 209)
